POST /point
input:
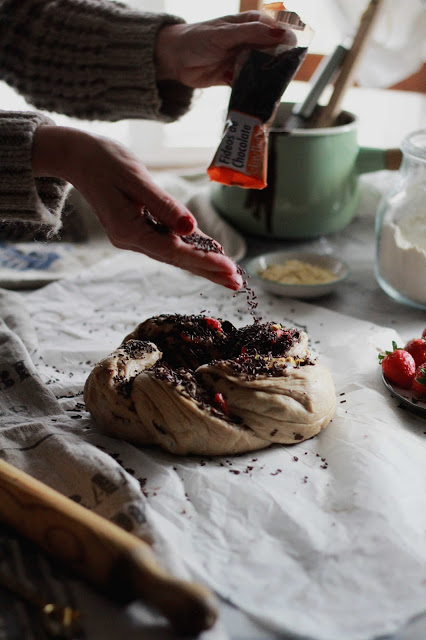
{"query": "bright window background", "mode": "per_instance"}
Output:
(192, 140)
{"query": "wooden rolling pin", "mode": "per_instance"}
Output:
(108, 557)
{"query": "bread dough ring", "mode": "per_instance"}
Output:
(193, 384)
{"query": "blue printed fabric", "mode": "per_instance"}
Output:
(13, 258)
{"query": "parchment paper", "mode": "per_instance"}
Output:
(324, 539)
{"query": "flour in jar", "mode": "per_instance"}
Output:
(402, 255)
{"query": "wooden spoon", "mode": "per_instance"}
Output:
(344, 80)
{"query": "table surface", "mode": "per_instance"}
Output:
(359, 296)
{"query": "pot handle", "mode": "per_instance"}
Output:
(373, 159)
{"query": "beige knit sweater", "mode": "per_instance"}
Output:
(89, 59)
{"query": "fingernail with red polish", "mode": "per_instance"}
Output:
(234, 282)
(238, 281)
(186, 225)
(228, 76)
(233, 287)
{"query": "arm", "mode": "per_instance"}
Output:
(38, 159)
(114, 183)
(23, 197)
(91, 59)
(118, 188)
(86, 58)
(98, 59)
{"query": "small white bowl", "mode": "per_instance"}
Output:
(254, 266)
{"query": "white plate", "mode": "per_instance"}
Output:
(258, 264)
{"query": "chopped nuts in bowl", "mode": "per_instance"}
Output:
(297, 274)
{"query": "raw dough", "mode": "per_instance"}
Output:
(193, 384)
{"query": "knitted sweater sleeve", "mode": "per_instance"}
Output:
(23, 198)
(91, 59)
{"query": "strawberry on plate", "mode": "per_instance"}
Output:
(417, 348)
(419, 382)
(424, 333)
(398, 366)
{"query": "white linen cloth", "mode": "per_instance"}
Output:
(324, 539)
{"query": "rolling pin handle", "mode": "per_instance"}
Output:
(189, 607)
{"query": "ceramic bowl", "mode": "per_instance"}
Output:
(256, 265)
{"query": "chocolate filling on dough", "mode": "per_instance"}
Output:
(195, 384)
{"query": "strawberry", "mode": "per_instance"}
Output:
(419, 382)
(424, 333)
(417, 348)
(221, 403)
(214, 324)
(276, 328)
(398, 366)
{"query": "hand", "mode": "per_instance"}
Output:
(204, 54)
(118, 188)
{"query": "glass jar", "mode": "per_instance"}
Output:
(401, 228)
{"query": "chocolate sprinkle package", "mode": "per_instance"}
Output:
(261, 77)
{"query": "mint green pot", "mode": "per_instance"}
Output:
(313, 186)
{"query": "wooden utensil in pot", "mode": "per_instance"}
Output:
(329, 113)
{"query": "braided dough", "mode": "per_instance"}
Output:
(193, 384)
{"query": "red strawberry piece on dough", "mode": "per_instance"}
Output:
(417, 348)
(276, 328)
(214, 324)
(221, 403)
